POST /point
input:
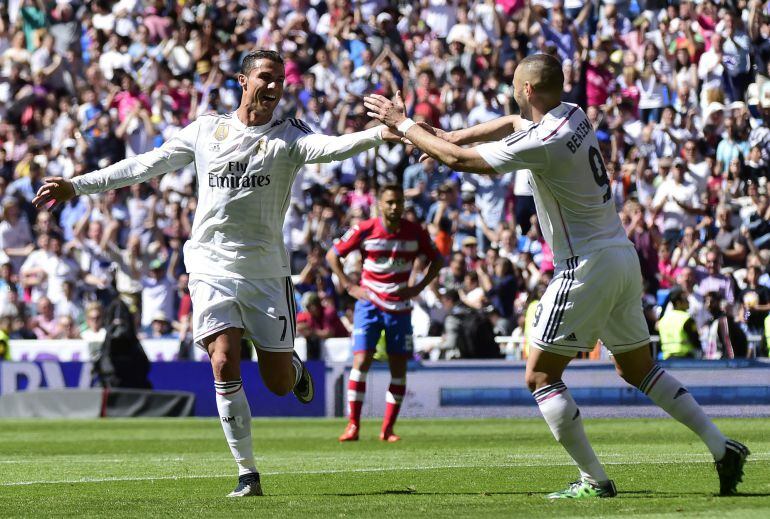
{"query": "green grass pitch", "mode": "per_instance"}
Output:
(442, 468)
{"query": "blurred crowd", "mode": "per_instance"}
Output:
(677, 91)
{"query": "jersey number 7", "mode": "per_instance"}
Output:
(599, 170)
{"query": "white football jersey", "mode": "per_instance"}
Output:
(244, 174)
(568, 178)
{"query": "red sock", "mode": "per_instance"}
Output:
(393, 400)
(356, 392)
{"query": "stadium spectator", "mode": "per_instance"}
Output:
(5, 348)
(711, 279)
(678, 333)
(728, 239)
(68, 329)
(726, 339)
(501, 288)
(647, 242)
(677, 202)
(755, 307)
(160, 327)
(45, 324)
(67, 304)
(94, 332)
(15, 234)
(50, 270)
(158, 292)
(318, 322)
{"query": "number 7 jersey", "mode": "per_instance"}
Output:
(568, 179)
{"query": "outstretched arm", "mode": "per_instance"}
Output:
(493, 130)
(315, 148)
(393, 114)
(519, 151)
(174, 154)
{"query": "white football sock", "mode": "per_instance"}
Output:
(671, 396)
(563, 417)
(235, 415)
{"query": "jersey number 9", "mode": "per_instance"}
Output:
(600, 170)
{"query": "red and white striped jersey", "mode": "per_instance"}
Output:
(388, 258)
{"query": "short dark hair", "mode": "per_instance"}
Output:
(396, 188)
(452, 295)
(250, 61)
(550, 77)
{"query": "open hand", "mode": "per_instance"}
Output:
(56, 189)
(384, 110)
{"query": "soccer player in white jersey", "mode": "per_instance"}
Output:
(596, 290)
(246, 162)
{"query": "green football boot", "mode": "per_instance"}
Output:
(583, 489)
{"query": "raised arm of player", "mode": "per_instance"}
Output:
(527, 154)
(493, 130)
(174, 154)
(315, 148)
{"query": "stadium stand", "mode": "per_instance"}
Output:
(678, 93)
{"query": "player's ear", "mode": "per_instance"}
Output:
(243, 80)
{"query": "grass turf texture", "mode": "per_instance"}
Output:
(442, 468)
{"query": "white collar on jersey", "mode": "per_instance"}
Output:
(237, 123)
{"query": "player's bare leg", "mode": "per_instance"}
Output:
(638, 369)
(278, 372)
(543, 376)
(394, 396)
(362, 361)
(224, 349)
(283, 371)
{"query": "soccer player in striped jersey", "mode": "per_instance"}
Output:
(246, 163)
(389, 245)
(596, 291)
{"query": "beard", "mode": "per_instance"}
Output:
(525, 111)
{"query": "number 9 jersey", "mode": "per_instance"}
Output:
(568, 179)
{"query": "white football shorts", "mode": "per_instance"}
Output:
(598, 296)
(264, 308)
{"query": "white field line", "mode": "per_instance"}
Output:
(761, 457)
(334, 456)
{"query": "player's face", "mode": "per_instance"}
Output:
(263, 88)
(520, 94)
(392, 206)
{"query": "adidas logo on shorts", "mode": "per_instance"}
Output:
(571, 337)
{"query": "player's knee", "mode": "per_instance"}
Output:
(220, 364)
(362, 361)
